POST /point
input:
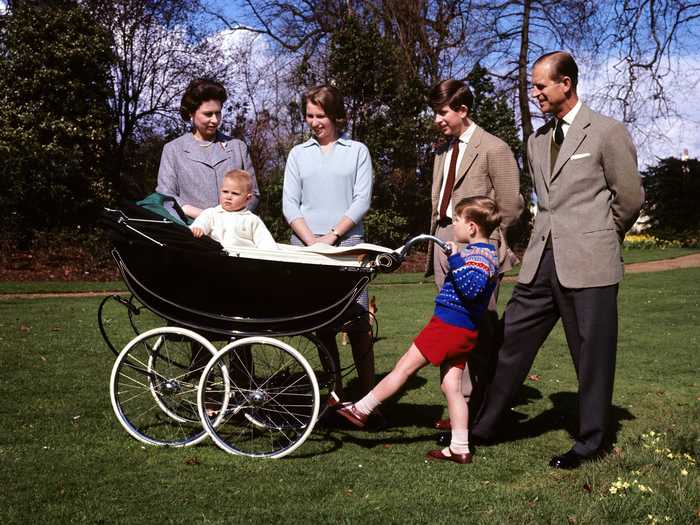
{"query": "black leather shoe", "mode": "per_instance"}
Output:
(570, 460)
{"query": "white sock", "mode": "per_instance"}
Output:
(460, 442)
(367, 404)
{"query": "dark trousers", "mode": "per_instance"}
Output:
(589, 317)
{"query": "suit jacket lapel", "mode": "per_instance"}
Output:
(440, 166)
(574, 137)
(438, 175)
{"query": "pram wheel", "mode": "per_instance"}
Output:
(324, 366)
(273, 403)
(154, 386)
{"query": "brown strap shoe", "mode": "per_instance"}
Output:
(349, 412)
(456, 458)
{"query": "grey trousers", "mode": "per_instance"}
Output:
(589, 318)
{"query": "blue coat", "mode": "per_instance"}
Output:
(193, 174)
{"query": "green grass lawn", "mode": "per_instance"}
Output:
(65, 458)
(636, 255)
(14, 287)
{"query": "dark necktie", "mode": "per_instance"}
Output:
(559, 132)
(556, 145)
(451, 172)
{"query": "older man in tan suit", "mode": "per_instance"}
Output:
(584, 169)
(472, 162)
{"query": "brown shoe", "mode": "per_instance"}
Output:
(457, 458)
(349, 412)
(443, 424)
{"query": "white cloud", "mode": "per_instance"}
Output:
(657, 133)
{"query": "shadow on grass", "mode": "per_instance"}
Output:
(379, 433)
(562, 415)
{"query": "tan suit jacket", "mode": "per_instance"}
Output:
(587, 202)
(488, 168)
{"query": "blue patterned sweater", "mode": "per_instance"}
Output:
(468, 285)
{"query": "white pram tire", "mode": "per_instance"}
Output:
(154, 385)
(273, 403)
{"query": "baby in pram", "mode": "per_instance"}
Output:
(231, 223)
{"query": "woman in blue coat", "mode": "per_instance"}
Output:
(327, 192)
(192, 166)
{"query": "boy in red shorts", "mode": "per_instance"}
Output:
(452, 331)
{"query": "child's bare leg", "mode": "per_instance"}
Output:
(409, 364)
(458, 410)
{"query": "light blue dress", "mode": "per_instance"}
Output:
(323, 186)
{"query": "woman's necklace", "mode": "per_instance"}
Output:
(204, 143)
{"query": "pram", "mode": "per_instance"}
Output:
(261, 394)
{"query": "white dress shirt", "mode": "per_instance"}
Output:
(568, 119)
(463, 139)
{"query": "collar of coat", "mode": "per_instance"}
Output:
(343, 140)
(218, 151)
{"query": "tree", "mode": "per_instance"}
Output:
(672, 187)
(512, 32)
(625, 46)
(492, 112)
(158, 51)
(54, 116)
(385, 102)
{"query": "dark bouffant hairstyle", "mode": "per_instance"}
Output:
(200, 90)
(482, 210)
(331, 100)
(453, 93)
(563, 65)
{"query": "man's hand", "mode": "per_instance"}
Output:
(197, 232)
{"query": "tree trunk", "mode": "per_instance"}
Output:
(523, 96)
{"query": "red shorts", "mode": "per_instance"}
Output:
(440, 342)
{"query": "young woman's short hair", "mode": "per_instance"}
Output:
(482, 210)
(242, 177)
(198, 91)
(331, 100)
(453, 93)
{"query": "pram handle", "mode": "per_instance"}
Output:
(445, 247)
(388, 262)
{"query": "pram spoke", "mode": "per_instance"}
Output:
(274, 399)
(154, 386)
(319, 359)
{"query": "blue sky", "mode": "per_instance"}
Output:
(656, 137)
